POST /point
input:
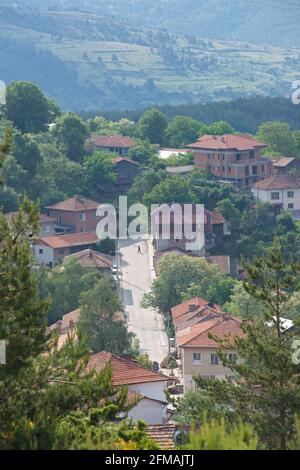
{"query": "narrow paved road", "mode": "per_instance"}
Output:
(135, 281)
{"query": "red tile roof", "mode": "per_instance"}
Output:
(217, 218)
(67, 241)
(278, 182)
(125, 371)
(75, 203)
(282, 162)
(227, 142)
(91, 259)
(194, 311)
(124, 159)
(197, 335)
(223, 262)
(162, 434)
(107, 141)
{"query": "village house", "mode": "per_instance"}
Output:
(51, 250)
(126, 172)
(144, 385)
(74, 215)
(284, 165)
(281, 190)
(194, 320)
(67, 326)
(214, 225)
(92, 259)
(231, 157)
(47, 224)
(110, 143)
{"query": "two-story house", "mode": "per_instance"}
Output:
(194, 321)
(231, 157)
(119, 144)
(74, 215)
(171, 229)
(281, 190)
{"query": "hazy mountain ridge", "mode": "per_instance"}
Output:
(104, 62)
(270, 22)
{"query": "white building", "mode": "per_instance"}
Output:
(280, 190)
(146, 388)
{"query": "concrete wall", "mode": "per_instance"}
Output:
(150, 411)
(204, 369)
(151, 390)
(266, 196)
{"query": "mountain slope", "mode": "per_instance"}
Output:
(87, 61)
(274, 22)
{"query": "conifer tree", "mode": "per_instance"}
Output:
(266, 393)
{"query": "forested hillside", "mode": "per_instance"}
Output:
(96, 62)
(268, 22)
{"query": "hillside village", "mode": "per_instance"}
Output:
(162, 321)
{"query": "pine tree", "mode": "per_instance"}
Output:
(267, 391)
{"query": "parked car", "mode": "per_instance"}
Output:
(114, 270)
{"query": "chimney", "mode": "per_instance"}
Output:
(59, 326)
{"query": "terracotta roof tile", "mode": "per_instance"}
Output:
(91, 259)
(75, 203)
(198, 335)
(107, 141)
(67, 241)
(125, 371)
(194, 305)
(227, 142)
(217, 218)
(287, 181)
(124, 159)
(162, 434)
(223, 262)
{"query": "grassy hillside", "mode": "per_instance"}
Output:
(87, 61)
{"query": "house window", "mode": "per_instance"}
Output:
(290, 194)
(41, 251)
(59, 221)
(61, 251)
(82, 216)
(214, 360)
(197, 360)
(275, 196)
(254, 170)
(252, 154)
(263, 168)
(290, 206)
(238, 157)
(82, 229)
(232, 357)
(46, 228)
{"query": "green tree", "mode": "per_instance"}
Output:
(267, 392)
(143, 152)
(99, 169)
(182, 277)
(26, 152)
(213, 435)
(28, 108)
(64, 285)
(152, 125)
(182, 130)
(171, 190)
(98, 321)
(279, 138)
(71, 133)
